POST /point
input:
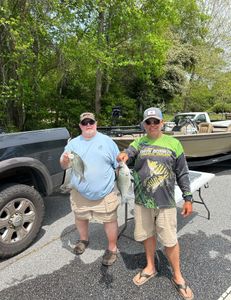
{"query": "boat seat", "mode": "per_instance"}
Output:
(229, 128)
(188, 129)
(205, 127)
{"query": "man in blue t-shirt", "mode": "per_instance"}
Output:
(93, 158)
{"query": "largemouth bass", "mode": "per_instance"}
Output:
(124, 181)
(77, 165)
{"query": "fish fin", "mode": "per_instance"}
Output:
(84, 166)
(76, 173)
(131, 177)
(128, 197)
(81, 178)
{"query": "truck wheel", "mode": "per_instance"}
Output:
(21, 215)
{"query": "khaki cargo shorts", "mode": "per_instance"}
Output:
(103, 210)
(161, 223)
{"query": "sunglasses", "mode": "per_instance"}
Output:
(152, 121)
(86, 122)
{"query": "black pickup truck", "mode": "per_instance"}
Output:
(29, 171)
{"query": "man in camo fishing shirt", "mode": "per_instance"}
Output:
(93, 158)
(159, 160)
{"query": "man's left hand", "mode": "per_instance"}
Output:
(187, 209)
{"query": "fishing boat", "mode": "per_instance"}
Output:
(195, 145)
(208, 141)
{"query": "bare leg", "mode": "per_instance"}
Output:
(111, 230)
(149, 247)
(173, 255)
(82, 227)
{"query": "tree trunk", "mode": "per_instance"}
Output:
(99, 72)
(98, 89)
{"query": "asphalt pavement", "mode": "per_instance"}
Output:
(49, 270)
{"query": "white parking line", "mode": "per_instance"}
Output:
(226, 295)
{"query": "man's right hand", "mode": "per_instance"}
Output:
(65, 160)
(122, 157)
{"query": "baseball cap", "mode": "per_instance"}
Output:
(87, 115)
(153, 112)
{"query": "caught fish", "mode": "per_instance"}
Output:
(77, 165)
(124, 181)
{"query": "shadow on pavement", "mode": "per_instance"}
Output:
(56, 206)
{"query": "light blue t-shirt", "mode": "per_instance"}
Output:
(99, 156)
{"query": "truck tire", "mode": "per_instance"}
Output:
(21, 216)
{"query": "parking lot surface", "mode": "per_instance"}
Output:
(49, 270)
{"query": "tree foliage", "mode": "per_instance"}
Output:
(61, 57)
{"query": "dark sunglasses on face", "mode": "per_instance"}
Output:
(152, 121)
(86, 122)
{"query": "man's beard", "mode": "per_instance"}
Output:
(89, 133)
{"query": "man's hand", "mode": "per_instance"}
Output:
(187, 209)
(65, 160)
(122, 157)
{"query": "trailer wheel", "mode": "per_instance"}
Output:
(21, 215)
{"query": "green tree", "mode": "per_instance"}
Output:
(60, 57)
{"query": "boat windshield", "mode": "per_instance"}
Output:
(179, 119)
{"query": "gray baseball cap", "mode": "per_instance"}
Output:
(152, 112)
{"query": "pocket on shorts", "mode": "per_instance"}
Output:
(111, 202)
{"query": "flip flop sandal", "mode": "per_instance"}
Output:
(80, 247)
(180, 287)
(143, 277)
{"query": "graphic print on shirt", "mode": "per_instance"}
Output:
(158, 174)
(154, 176)
(158, 164)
